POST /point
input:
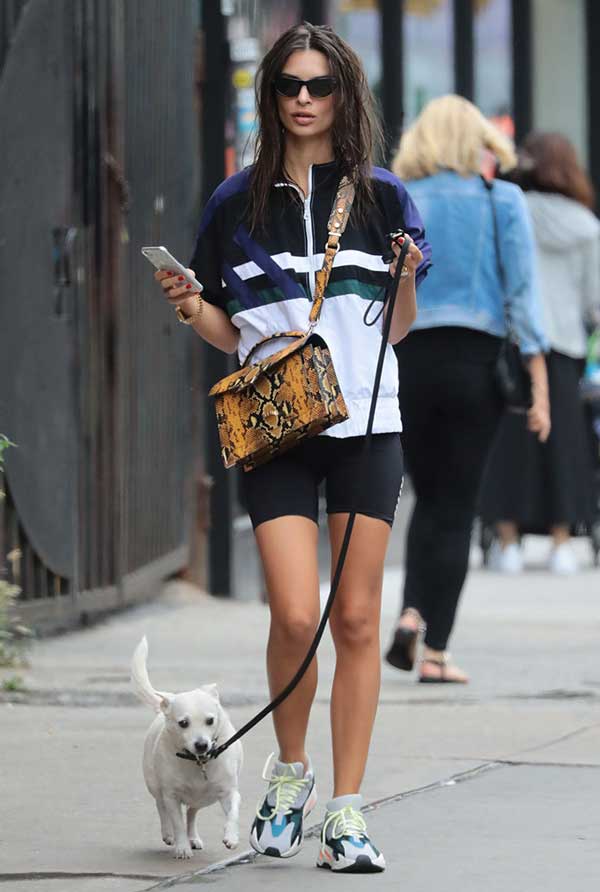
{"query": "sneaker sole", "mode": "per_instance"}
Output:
(275, 853)
(362, 864)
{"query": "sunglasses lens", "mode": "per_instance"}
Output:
(288, 86)
(318, 87)
(321, 86)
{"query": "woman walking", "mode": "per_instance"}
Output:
(532, 487)
(260, 246)
(448, 396)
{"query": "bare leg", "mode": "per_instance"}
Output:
(508, 532)
(288, 549)
(230, 803)
(560, 533)
(195, 841)
(355, 628)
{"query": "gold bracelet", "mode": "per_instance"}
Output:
(195, 317)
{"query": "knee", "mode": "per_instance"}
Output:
(354, 630)
(295, 629)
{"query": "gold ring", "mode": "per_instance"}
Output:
(404, 272)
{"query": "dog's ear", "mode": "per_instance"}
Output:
(212, 690)
(165, 703)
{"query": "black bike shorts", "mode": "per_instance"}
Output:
(289, 484)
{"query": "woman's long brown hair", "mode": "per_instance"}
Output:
(548, 163)
(356, 133)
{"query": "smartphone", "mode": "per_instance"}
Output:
(162, 259)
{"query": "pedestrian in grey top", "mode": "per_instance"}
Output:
(533, 487)
(568, 249)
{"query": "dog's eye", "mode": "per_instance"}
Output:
(210, 721)
(184, 723)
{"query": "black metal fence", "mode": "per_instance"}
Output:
(99, 386)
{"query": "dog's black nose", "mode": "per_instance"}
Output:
(200, 746)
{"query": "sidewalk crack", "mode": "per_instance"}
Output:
(66, 875)
(543, 746)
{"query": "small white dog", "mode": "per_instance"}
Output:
(193, 723)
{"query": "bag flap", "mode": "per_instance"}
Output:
(248, 374)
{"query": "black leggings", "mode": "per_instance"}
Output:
(450, 412)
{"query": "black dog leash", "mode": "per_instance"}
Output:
(392, 291)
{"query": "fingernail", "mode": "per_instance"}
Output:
(180, 278)
(188, 286)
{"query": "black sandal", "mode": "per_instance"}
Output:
(403, 649)
(442, 663)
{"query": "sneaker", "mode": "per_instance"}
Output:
(562, 560)
(506, 559)
(345, 844)
(277, 829)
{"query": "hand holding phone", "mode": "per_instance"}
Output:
(162, 259)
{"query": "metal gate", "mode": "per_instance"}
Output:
(98, 384)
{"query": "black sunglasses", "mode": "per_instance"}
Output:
(318, 87)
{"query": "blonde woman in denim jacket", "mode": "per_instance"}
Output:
(448, 397)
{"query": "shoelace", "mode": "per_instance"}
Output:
(286, 788)
(345, 822)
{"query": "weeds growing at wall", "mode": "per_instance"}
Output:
(14, 636)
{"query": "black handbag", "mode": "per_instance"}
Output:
(511, 374)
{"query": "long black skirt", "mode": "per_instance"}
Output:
(538, 485)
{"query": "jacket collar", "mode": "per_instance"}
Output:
(322, 174)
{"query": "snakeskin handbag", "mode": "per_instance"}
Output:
(266, 408)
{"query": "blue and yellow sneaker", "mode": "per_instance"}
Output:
(345, 845)
(278, 827)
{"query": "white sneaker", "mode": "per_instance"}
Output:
(278, 827)
(505, 559)
(562, 560)
(345, 843)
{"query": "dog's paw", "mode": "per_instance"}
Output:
(231, 840)
(168, 839)
(183, 852)
(196, 842)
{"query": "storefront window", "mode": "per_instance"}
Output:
(358, 23)
(252, 28)
(560, 99)
(428, 53)
(493, 58)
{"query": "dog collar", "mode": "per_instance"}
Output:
(201, 761)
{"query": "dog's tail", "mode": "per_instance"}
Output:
(139, 678)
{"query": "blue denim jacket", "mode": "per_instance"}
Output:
(463, 286)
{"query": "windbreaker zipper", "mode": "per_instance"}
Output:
(308, 228)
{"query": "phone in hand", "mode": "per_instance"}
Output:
(163, 259)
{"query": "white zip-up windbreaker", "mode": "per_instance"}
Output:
(265, 280)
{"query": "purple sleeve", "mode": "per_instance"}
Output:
(413, 224)
(207, 261)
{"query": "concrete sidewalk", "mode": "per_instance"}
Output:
(494, 785)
